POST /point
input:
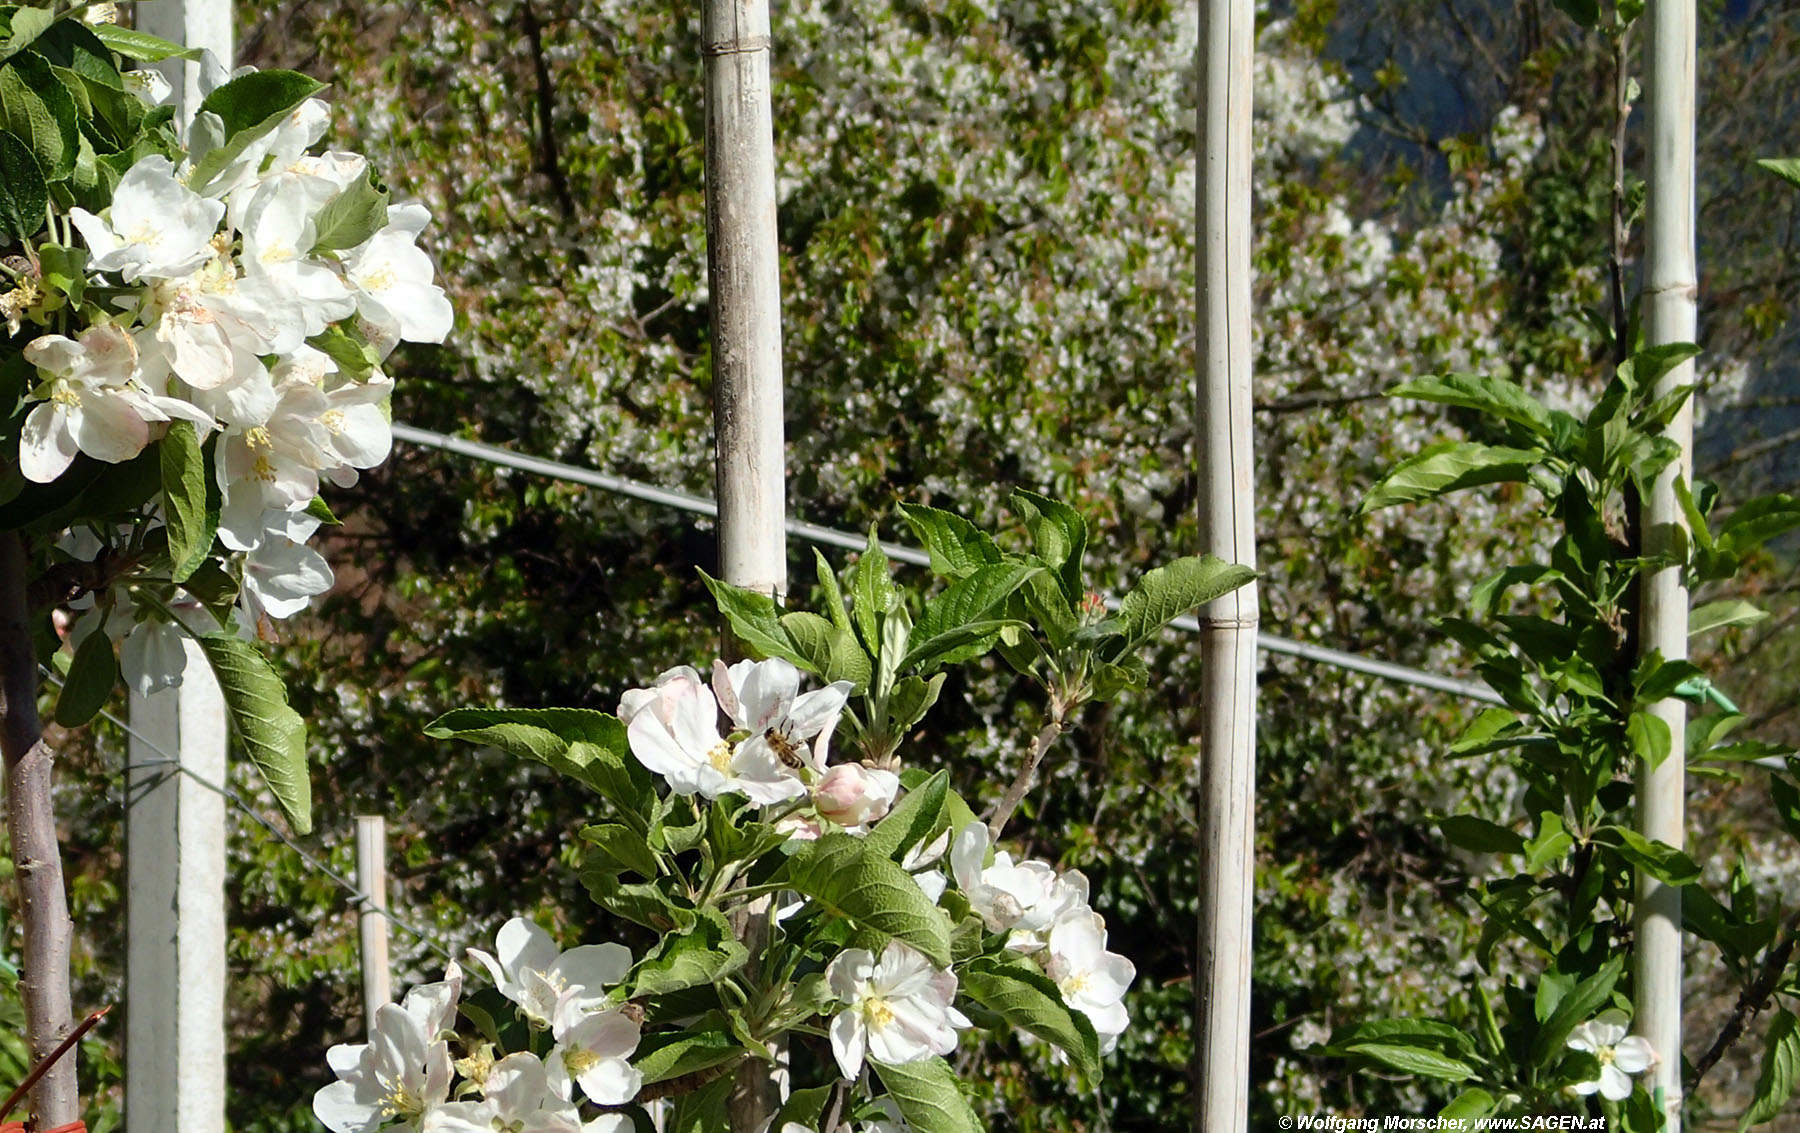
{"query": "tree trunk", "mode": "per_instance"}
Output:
(1227, 804)
(37, 858)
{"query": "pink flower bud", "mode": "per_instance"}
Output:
(853, 795)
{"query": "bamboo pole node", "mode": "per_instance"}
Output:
(739, 45)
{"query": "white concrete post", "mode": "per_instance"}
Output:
(371, 918)
(175, 829)
(175, 909)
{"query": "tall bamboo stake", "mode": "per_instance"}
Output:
(371, 916)
(743, 269)
(1670, 287)
(37, 856)
(1227, 529)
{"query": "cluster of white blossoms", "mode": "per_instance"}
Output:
(225, 306)
(897, 1007)
(404, 1078)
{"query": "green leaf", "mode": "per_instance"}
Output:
(1780, 1064)
(247, 108)
(830, 650)
(24, 28)
(1415, 1060)
(1549, 845)
(834, 595)
(1659, 859)
(90, 682)
(803, 1107)
(910, 699)
(662, 1055)
(1485, 597)
(1059, 535)
(755, 620)
(872, 594)
(1573, 1009)
(841, 873)
(354, 357)
(1020, 993)
(1727, 612)
(351, 217)
(1496, 397)
(1649, 737)
(142, 46)
(63, 270)
(915, 818)
(321, 511)
(1449, 467)
(1786, 168)
(1756, 522)
(587, 746)
(1480, 835)
(928, 1097)
(72, 45)
(190, 522)
(705, 1110)
(977, 597)
(957, 547)
(23, 195)
(273, 734)
(1169, 591)
(628, 847)
(1470, 1104)
(701, 956)
(38, 110)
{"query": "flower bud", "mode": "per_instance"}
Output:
(853, 795)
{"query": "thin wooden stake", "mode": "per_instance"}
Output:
(371, 918)
(1670, 291)
(1228, 529)
(744, 272)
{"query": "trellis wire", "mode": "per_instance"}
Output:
(831, 537)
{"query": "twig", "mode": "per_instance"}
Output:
(1008, 803)
(1751, 1001)
(62, 1048)
(1621, 235)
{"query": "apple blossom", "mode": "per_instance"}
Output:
(1619, 1056)
(516, 1097)
(156, 227)
(401, 1074)
(1092, 980)
(281, 573)
(392, 282)
(670, 686)
(593, 1049)
(764, 699)
(1001, 893)
(688, 751)
(532, 972)
(853, 795)
(898, 1008)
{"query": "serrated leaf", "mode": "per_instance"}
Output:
(247, 108)
(928, 1097)
(623, 845)
(916, 817)
(1574, 1008)
(1450, 467)
(1727, 612)
(910, 699)
(191, 524)
(755, 620)
(1026, 998)
(23, 28)
(90, 682)
(273, 734)
(1480, 835)
(872, 891)
(587, 746)
(1786, 168)
(977, 599)
(872, 594)
(1059, 535)
(662, 1055)
(957, 547)
(1469, 1104)
(1496, 397)
(1659, 859)
(1756, 522)
(354, 215)
(39, 111)
(703, 955)
(142, 46)
(1548, 845)
(1169, 591)
(830, 650)
(1780, 1065)
(1417, 1060)
(23, 194)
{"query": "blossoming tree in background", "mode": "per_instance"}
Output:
(196, 328)
(896, 923)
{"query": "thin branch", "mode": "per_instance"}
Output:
(548, 161)
(1317, 401)
(1757, 993)
(1621, 234)
(1003, 810)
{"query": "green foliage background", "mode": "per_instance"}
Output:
(987, 282)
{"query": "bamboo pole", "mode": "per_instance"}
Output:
(1670, 288)
(37, 856)
(371, 916)
(743, 271)
(1227, 529)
